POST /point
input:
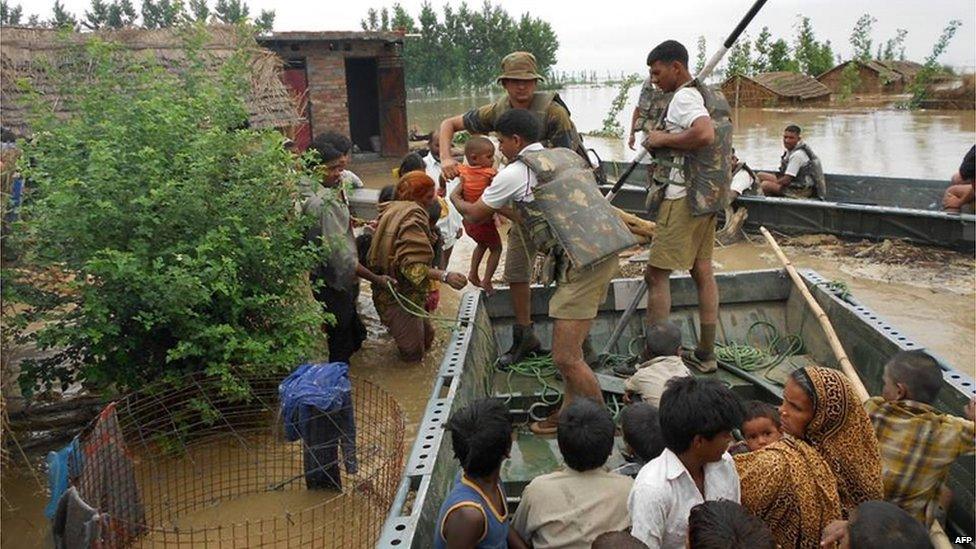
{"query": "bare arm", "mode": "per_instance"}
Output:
(370, 276)
(700, 134)
(633, 127)
(448, 127)
(515, 541)
(463, 528)
(473, 212)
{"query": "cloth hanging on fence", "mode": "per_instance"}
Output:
(316, 406)
(76, 525)
(63, 465)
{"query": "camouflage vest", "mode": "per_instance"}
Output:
(541, 101)
(708, 170)
(568, 218)
(810, 175)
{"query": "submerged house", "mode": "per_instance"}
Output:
(350, 82)
(27, 53)
(774, 89)
(874, 76)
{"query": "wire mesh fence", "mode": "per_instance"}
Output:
(185, 465)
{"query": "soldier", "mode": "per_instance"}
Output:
(800, 173)
(552, 196)
(519, 78)
(695, 142)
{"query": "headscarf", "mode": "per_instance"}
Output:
(414, 186)
(791, 488)
(843, 434)
(402, 237)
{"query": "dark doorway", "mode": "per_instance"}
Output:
(362, 96)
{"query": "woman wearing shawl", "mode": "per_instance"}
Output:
(403, 248)
(828, 465)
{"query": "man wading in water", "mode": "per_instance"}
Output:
(519, 78)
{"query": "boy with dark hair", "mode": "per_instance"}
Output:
(918, 443)
(877, 524)
(570, 508)
(335, 281)
(535, 184)
(697, 417)
(474, 513)
(343, 144)
(725, 524)
(662, 361)
(617, 540)
(642, 435)
(760, 426)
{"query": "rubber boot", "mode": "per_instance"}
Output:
(524, 344)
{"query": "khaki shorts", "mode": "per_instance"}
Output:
(681, 238)
(584, 291)
(519, 255)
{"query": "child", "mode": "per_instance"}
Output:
(474, 513)
(697, 417)
(662, 354)
(918, 443)
(476, 175)
(570, 508)
(726, 525)
(877, 524)
(642, 435)
(617, 540)
(760, 427)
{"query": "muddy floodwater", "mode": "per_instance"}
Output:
(934, 305)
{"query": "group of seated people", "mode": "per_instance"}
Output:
(824, 470)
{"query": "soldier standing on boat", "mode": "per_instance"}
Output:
(555, 203)
(800, 173)
(519, 78)
(696, 143)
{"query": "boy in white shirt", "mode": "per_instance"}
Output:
(696, 417)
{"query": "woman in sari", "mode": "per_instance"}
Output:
(827, 466)
(403, 248)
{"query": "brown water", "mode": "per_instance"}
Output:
(934, 306)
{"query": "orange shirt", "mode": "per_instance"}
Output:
(474, 181)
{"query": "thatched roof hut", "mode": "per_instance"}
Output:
(27, 52)
(773, 89)
(874, 76)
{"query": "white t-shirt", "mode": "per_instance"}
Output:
(664, 493)
(741, 181)
(513, 183)
(798, 159)
(686, 107)
(448, 225)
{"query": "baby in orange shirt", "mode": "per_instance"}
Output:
(476, 176)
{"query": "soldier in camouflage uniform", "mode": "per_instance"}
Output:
(695, 145)
(552, 195)
(519, 78)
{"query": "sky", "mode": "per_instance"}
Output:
(615, 35)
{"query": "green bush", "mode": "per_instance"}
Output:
(173, 224)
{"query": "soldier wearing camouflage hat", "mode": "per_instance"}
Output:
(519, 77)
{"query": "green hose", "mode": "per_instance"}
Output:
(750, 357)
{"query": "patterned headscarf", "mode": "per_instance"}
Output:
(791, 488)
(414, 186)
(842, 432)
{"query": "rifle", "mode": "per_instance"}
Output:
(706, 70)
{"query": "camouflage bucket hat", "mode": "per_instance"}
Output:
(519, 65)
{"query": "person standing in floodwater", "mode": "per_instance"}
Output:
(520, 78)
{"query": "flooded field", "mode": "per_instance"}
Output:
(932, 304)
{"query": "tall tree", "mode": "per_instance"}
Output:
(779, 57)
(231, 11)
(8, 15)
(740, 57)
(700, 54)
(371, 22)
(199, 10)
(861, 37)
(894, 46)
(121, 14)
(62, 18)
(812, 57)
(762, 46)
(159, 14)
(919, 86)
(401, 19)
(96, 17)
(264, 22)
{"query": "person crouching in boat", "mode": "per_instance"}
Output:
(552, 195)
(403, 248)
(800, 173)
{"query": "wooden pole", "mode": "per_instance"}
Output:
(845, 363)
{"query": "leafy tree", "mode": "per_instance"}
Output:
(173, 230)
(762, 45)
(371, 22)
(931, 66)
(812, 57)
(861, 37)
(893, 45)
(700, 54)
(231, 11)
(536, 36)
(199, 10)
(95, 18)
(34, 20)
(62, 18)
(121, 14)
(401, 19)
(265, 21)
(779, 57)
(8, 15)
(740, 58)
(159, 14)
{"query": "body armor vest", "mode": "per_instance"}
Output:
(810, 175)
(568, 219)
(541, 101)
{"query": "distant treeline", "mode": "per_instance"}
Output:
(462, 48)
(153, 14)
